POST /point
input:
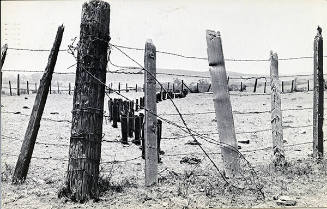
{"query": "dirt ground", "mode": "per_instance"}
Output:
(181, 185)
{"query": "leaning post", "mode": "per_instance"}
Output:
(26, 151)
(151, 157)
(222, 103)
(318, 96)
(87, 115)
(276, 113)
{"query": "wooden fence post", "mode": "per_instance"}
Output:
(124, 127)
(10, 92)
(241, 86)
(276, 113)
(264, 90)
(255, 85)
(115, 113)
(27, 88)
(151, 156)
(308, 85)
(89, 92)
(135, 87)
(222, 103)
(173, 87)
(137, 130)
(69, 88)
(182, 88)
(126, 87)
(35, 85)
(18, 85)
(292, 86)
(119, 87)
(282, 86)
(26, 151)
(50, 88)
(58, 87)
(318, 96)
(168, 87)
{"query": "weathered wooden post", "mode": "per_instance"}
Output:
(135, 87)
(110, 109)
(168, 86)
(241, 87)
(118, 87)
(26, 151)
(142, 134)
(10, 92)
(27, 88)
(264, 90)
(222, 103)
(131, 120)
(318, 96)
(126, 87)
(308, 85)
(89, 92)
(124, 127)
(276, 113)
(173, 87)
(292, 86)
(151, 157)
(282, 86)
(182, 88)
(137, 130)
(197, 87)
(115, 113)
(18, 85)
(255, 85)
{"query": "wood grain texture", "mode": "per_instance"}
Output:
(88, 102)
(222, 103)
(318, 96)
(276, 113)
(26, 151)
(150, 130)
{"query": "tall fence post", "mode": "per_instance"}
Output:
(276, 113)
(86, 132)
(26, 151)
(318, 96)
(151, 156)
(18, 85)
(222, 103)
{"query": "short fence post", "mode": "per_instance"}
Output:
(142, 134)
(197, 87)
(159, 134)
(222, 103)
(126, 87)
(264, 90)
(118, 87)
(110, 109)
(151, 156)
(276, 113)
(131, 120)
(308, 85)
(124, 127)
(136, 105)
(49, 88)
(69, 88)
(209, 88)
(173, 87)
(27, 88)
(182, 86)
(10, 92)
(18, 85)
(135, 87)
(137, 130)
(58, 87)
(282, 86)
(292, 86)
(26, 151)
(255, 85)
(35, 87)
(115, 113)
(168, 86)
(318, 97)
(241, 86)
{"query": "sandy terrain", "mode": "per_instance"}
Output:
(181, 185)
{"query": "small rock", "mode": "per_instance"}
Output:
(285, 201)
(190, 160)
(25, 107)
(284, 141)
(26, 98)
(54, 113)
(192, 142)
(303, 132)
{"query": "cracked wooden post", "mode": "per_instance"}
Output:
(276, 113)
(87, 115)
(318, 96)
(151, 156)
(222, 103)
(26, 151)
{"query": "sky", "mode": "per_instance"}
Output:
(249, 30)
